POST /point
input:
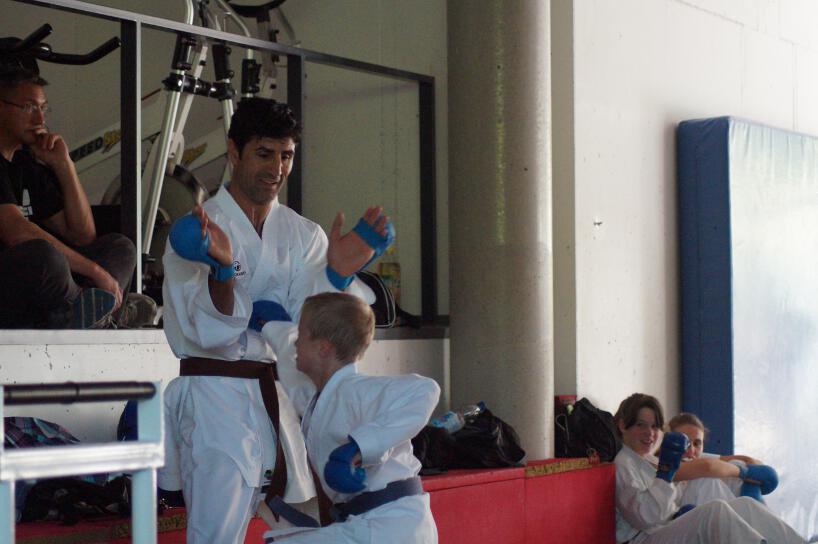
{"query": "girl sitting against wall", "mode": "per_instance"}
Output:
(650, 505)
(729, 468)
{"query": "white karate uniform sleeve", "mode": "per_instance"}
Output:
(643, 500)
(197, 320)
(406, 402)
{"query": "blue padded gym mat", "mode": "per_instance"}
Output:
(748, 212)
(704, 212)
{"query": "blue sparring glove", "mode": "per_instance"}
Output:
(186, 240)
(339, 472)
(684, 510)
(337, 280)
(765, 477)
(752, 490)
(264, 311)
(674, 446)
(374, 240)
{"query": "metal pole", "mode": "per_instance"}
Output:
(8, 518)
(295, 99)
(131, 164)
(160, 155)
(428, 202)
(150, 428)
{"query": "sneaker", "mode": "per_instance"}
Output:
(138, 310)
(92, 309)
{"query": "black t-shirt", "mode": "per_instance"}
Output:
(30, 185)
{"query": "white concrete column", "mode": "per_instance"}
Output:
(500, 209)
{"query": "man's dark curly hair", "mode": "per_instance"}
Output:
(263, 118)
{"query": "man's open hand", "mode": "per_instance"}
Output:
(349, 253)
(220, 248)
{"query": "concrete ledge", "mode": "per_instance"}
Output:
(52, 337)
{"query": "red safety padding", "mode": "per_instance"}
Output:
(116, 530)
(463, 477)
(573, 506)
(489, 512)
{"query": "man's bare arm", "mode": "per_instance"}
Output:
(75, 223)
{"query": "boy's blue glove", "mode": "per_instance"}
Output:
(186, 240)
(374, 240)
(684, 510)
(674, 446)
(264, 311)
(339, 472)
(762, 475)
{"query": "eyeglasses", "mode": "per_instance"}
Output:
(30, 107)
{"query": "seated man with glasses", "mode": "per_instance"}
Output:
(54, 270)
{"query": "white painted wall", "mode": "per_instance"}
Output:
(640, 67)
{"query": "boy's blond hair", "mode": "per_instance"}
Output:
(346, 321)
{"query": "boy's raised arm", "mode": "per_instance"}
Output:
(404, 407)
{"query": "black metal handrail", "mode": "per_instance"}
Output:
(33, 45)
(71, 392)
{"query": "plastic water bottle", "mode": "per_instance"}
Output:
(454, 420)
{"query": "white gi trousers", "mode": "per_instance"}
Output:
(741, 521)
(405, 521)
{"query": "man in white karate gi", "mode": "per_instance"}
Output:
(231, 265)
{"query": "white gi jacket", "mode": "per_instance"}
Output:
(382, 414)
(286, 264)
(643, 501)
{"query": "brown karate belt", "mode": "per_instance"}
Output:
(266, 374)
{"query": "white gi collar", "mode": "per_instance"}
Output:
(230, 207)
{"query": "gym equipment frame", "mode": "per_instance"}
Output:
(131, 25)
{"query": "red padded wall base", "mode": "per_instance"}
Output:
(574, 506)
(490, 512)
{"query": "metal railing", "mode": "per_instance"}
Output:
(141, 457)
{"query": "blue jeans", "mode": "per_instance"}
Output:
(36, 283)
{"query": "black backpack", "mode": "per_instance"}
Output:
(387, 312)
(384, 305)
(586, 432)
(485, 441)
(71, 499)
